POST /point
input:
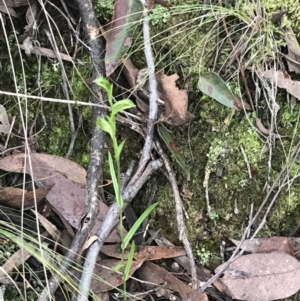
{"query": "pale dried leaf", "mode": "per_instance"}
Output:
(176, 100)
(68, 193)
(152, 273)
(276, 243)
(8, 10)
(49, 53)
(31, 15)
(15, 3)
(262, 276)
(293, 46)
(4, 122)
(145, 252)
(283, 80)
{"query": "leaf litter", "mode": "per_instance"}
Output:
(68, 193)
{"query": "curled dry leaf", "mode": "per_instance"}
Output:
(4, 122)
(283, 80)
(12, 197)
(262, 276)
(45, 52)
(145, 252)
(68, 194)
(176, 100)
(151, 272)
(265, 131)
(293, 57)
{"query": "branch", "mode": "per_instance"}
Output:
(96, 45)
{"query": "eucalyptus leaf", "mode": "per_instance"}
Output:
(126, 17)
(211, 84)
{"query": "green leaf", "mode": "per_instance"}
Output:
(166, 137)
(136, 225)
(118, 267)
(129, 262)
(104, 125)
(118, 150)
(115, 181)
(106, 86)
(211, 84)
(126, 17)
(121, 106)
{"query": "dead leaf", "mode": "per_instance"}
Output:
(15, 3)
(12, 197)
(262, 276)
(4, 122)
(47, 52)
(68, 193)
(105, 279)
(293, 58)
(276, 243)
(176, 100)
(265, 131)
(119, 37)
(130, 72)
(153, 273)
(31, 15)
(283, 80)
(8, 10)
(145, 252)
(251, 245)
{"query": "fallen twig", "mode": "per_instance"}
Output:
(91, 25)
(179, 214)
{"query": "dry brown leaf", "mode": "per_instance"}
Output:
(283, 80)
(47, 52)
(145, 252)
(15, 3)
(293, 57)
(105, 279)
(265, 131)
(31, 14)
(176, 100)
(252, 245)
(276, 243)
(130, 72)
(12, 197)
(68, 193)
(4, 121)
(153, 273)
(8, 10)
(262, 276)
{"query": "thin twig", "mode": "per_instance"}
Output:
(179, 214)
(153, 104)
